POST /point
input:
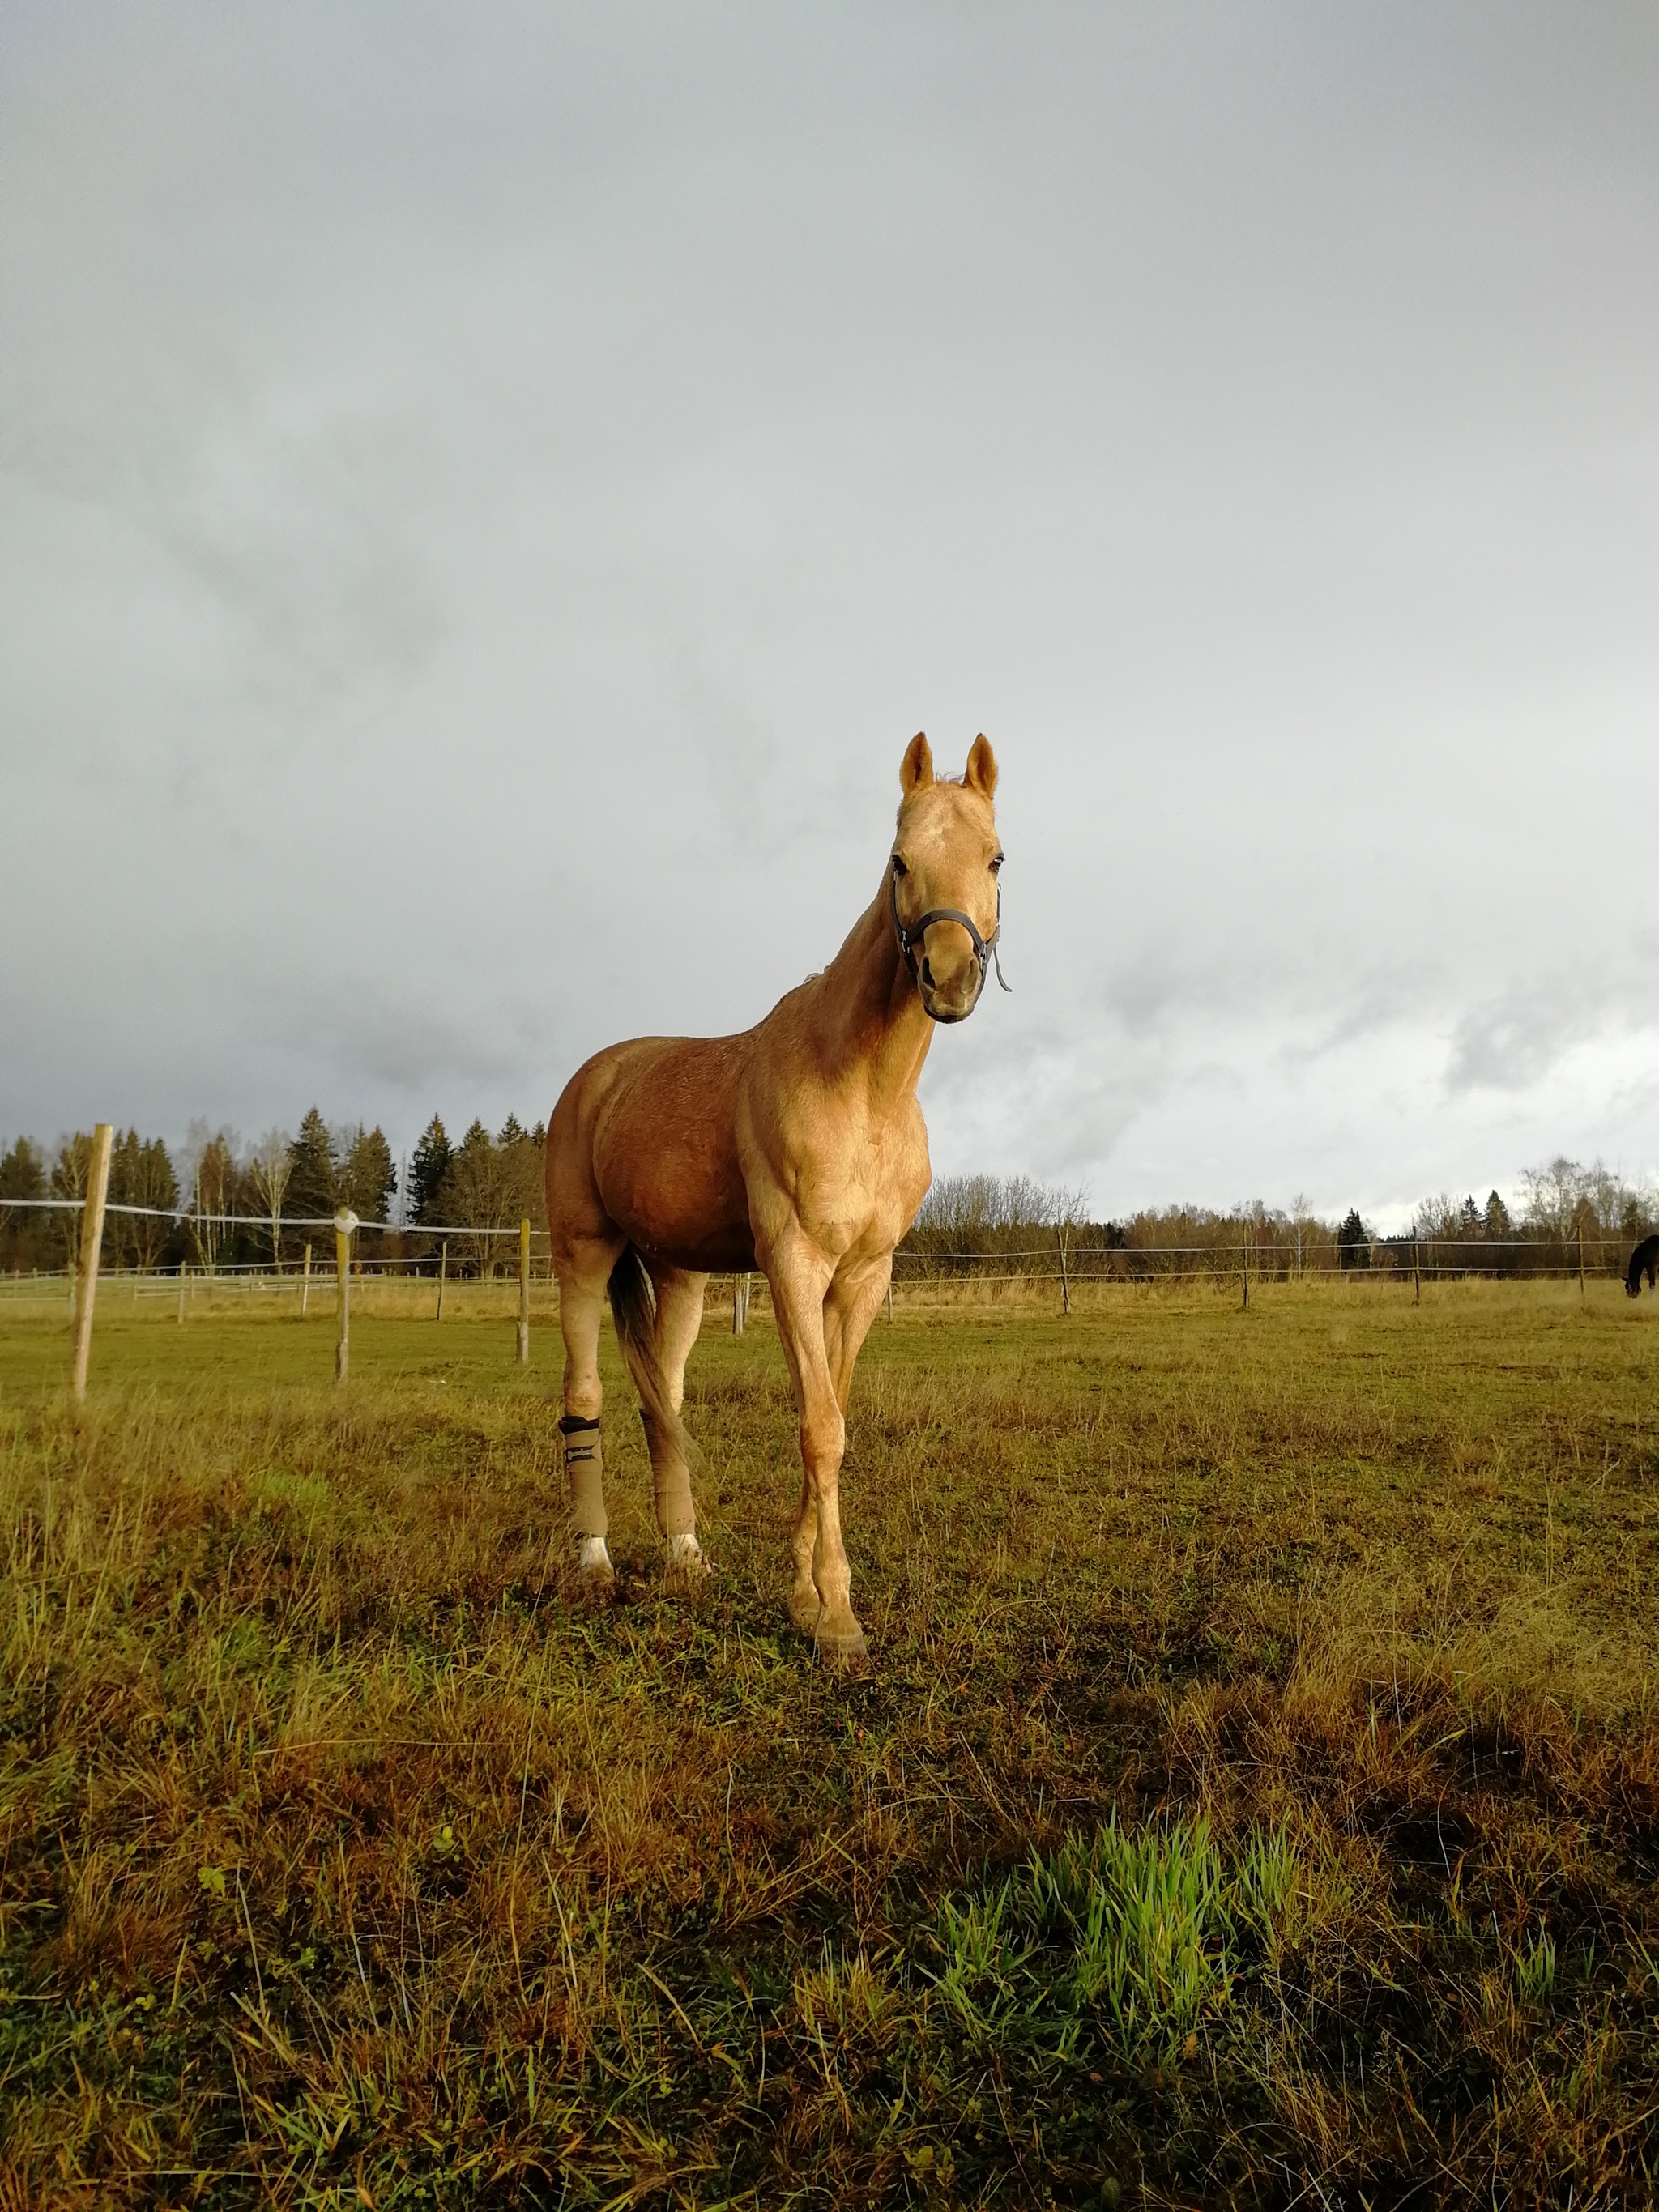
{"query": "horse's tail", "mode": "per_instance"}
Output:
(1644, 1260)
(633, 1309)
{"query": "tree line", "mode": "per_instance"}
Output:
(965, 1218)
(486, 1183)
(272, 1185)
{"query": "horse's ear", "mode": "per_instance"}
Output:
(981, 768)
(917, 767)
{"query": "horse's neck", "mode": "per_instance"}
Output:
(868, 1017)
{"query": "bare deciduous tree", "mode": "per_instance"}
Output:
(269, 1170)
(210, 1160)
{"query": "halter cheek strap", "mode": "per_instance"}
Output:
(985, 948)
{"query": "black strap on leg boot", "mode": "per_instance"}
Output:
(584, 1470)
(572, 1426)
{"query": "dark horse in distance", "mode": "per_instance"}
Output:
(1644, 1260)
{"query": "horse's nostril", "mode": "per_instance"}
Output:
(927, 975)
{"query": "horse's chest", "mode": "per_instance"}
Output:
(864, 1193)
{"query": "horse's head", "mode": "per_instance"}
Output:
(944, 889)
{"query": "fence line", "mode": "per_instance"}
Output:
(1234, 1266)
(344, 1223)
(1397, 1259)
(1128, 1265)
(182, 1217)
(1383, 1258)
(1384, 1255)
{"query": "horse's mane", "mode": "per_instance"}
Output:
(1644, 1260)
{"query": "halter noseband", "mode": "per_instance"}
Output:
(985, 948)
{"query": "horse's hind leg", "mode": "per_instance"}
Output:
(583, 1270)
(680, 1317)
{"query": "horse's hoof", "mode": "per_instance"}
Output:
(843, 1651)
(686, 1571)
(595, 1578)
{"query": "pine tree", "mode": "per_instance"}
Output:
(367, 1176)
(1497, 1218)
(479, 1194)
(25, 1234)
(312, 1190)
(140, 1173)
(23, 1171)
(427, 1170)
(1353, 1243)
(524, 1156)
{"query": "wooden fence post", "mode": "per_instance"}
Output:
(443, 1269)
(1416, 1274)
(184, 1281)
(92, 1236)
(1244, 1268)
(1582, 1292)
(305, 1285)
(1065, 1273)
(345, 1223)
(890, 1297)
(524, 1294)
(739, 1284)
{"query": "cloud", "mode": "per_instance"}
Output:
(1510, 1043)
(488, 499)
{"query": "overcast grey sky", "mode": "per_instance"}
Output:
(487, 494)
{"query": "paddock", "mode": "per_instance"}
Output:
(1253, 1790)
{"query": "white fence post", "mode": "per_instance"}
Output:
(345, 1223)
(524, 1294)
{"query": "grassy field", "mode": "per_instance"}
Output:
(1255, 1797)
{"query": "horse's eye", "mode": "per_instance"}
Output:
(996, 865)
(899, 868)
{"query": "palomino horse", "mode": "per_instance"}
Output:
(798, 1148)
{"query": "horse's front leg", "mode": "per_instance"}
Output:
(820, 1603)
(853, 1302)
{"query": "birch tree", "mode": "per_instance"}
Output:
(269, 1170)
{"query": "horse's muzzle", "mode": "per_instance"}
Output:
(955, 1000)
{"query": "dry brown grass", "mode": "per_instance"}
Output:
(342, 1861)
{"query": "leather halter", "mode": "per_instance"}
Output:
(985, 948)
